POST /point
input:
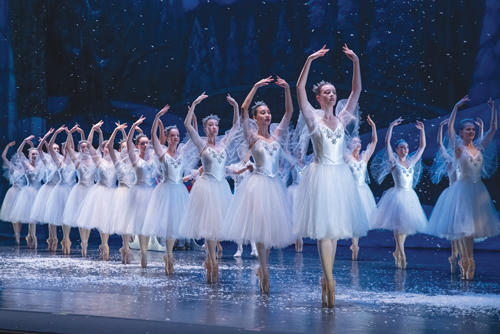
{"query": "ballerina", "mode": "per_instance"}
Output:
(358, 162)
(85, 169)
(210, 195)
(32, 168)
(260, 211)
(59, 195)
(17, 180)
(169, 199)
(399, 209)
(470, 211)
(328, 195)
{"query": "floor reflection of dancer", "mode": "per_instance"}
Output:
(399, 209)
(169, 199)
(126, 178)
(32, 169)
(51, 177)
(17, 180)
(470, 209)
(85, 170)
(59, 195)
(260, 210)
(210, 195)
(358, 162)
(327, 194)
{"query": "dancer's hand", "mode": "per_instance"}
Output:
(74, 128)
(479, 122)
(491, 103)
(122, 126)
(231, 101)
(462, 101)
(396, 122)
(349, 53)
(163, 111)
(97, 125)
(419, 125)
(51, 130)
(320, 53)
(264, 82)
(370, 121)
(29, 138)
(200, 98)
(139, 121)
(281, 82)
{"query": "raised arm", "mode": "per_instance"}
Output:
(93, 129)
(388, 137)
(21, 147)
(111, 141)
(78, 129)
(451, 122)
(245, 121)
(122, 130)
(96, 157)
(53, 153)
(154, 132)
(70, 145)
(304, 106)
(421, 146)
(4, 153)
(480, 124)
(130, 145)
(352, 101)
(193, 134)
(163, 137)
(43, 141)
(371, 147)
(285, 121)
(493, 125)
(441, 147)
(194, 121)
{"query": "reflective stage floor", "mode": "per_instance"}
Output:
(43, 292)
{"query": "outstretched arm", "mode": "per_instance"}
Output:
(247, 131)
(451, 122)
(193, 134)
(305, 107)
(154, 132)
(493, 125)
(421, 146)
(347, 113)
(285, 121)
(388, 137)
(371, 147)
(130, 145)
(4, 153)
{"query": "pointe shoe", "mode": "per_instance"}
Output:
(453, 263)
(471, 268)
(237, 254)
(263, 281)
(209, 271)
(123, 253)
(51, 245)
(66, 247)
(355, 251)
(254, 253)
(403, 262)
(463, 265)
(331, 293)
(397, 260)
(18, 238)
(169, 265)
(144, 259)
(31, 241)
(84, 246)
(324, 292)
(104, 252)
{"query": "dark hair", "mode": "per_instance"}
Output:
(257, 104)
(170, 128)
(317, 87)
(465, 121)
(139, 137)
(399, 142)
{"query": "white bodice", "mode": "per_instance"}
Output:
(67, 174)
(266, 156)
(402, 176)
(17, 177)
(85, 173)
(106, 174)
(52, 176)
(144, 172)
(469, 166)
(358, 170)
(172, 168)
(125, 174)
(33, 177)
(214, 163)
(328, 145)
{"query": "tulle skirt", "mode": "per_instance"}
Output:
(400, 210)
(40, 204)
(21, 211)
(96, 209)
(165, 210)
(260, 212)
(464, 209)
(207, 208)
(8, 203)
(138, 200)
(56, 203)
(119, 216)
(74, 204)
(329, 204)
(367, 202)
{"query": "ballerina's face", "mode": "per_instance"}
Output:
(327, 95)
(173, 137)
(262, 116)
(142, 144)
(83, 148)
(56, 148)
(402, 150)
(468, 132)
(356, 144)
(212, 128)
(33, 155)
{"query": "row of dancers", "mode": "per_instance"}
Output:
(329, 199)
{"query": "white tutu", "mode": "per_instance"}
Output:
(260, 212)
(40, 204)
(207, 208)
(137, 204)
(367, 201)
(8, 203)
(95, 211)
(329, 204)
(399, 210)
(292, 195)
(21, 211)
(74, 204)
(464, 209)
(56, 204)
(165, 210)
(119, 211)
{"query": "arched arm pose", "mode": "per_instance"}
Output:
(57, 160)
(451, 125)
(193, 133)
(130, 146)
(442, 149)
(367, 154)
(4, 154)
(111, 141)
(158, 142)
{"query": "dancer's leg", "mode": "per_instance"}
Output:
(401, 245)
(143, 245)
(396, 253)
(31, 237)
(66, 242)
(263, 253)
(471, 265)
(103, 247)
(299, 244)
(212, 265)
(327, 249)
(454, 255)
(52, 239)
(125, 249)
(239, 251)
(17, 232)
(254, 249)
(355, 248)
(168, 258)
(84, 240)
